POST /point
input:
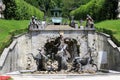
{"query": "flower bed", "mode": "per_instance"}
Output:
(5, 78)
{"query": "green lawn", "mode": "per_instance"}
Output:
(7, 26)
(113, 26)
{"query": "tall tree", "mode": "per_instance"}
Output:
(65, 5)
(46, 5)
(58, 3)
(10, 9)
(69, 5)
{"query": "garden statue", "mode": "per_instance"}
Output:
(58, 52)
(40, 59)
(89, 22)
(72, 23)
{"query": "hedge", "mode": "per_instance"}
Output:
(98, 9)
(19, 10)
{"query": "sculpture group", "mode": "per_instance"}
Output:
(62, 54)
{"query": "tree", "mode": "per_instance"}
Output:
(111, 8)
(9, 12)
(65, 5)
(46, 5)
(58, 3)
(69, 5)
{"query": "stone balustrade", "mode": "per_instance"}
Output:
(8, 59)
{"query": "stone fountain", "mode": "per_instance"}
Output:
(79, 50)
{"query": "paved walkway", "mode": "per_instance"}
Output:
(58, 27)
(70, 77)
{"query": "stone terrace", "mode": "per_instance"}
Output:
(58, 27)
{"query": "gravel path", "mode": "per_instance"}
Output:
(58, 27)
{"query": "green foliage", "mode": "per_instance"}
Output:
(98, 9)
(9, 12)
(69, 5)
(8, 28)
(5, 43)
(65, 5)
(45, 5)
(110, 27)
(110, 9)
(19, 9)
(33, 2)
(25, 10)
(93, 8)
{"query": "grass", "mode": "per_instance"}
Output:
(113, 26)
(7, 26)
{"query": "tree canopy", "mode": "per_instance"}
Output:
(65, 5)
(19, 9)
(98, 9)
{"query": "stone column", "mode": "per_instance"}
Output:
(2, 8)
(118, 9)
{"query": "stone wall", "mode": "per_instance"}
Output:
(107, 46)
(39, 38)
(9, 58)
(15, 57)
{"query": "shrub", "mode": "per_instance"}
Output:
(19, 9)
(98, 9)
(9, 12)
